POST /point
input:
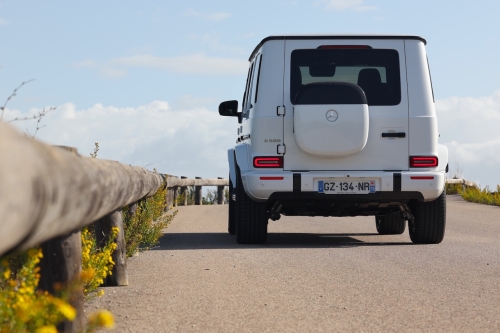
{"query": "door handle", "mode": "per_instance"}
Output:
(394, 135)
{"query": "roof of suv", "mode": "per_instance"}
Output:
(326, 36)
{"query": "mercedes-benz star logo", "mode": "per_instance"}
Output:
(331, 115)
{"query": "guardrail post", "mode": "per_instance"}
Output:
(197, 194)
(131, 209)
(119, 276)
(184, 192)
(175, 195)
(62, 264)
(220, 193)
(167, 202)
(169, 197)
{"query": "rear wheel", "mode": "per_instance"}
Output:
(251, 216)
(390, 224)
(231, 228)
(429, 222)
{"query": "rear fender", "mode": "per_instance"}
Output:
(232, 166)
(442, 157)
(241, 153)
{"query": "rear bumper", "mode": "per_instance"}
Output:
(424, 185)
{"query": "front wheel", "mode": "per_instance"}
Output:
(429, 222)
(251, 216)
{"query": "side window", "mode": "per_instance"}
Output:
(246, 89)
(255, 79)
(248, 101)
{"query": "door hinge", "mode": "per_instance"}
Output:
(281, 149)
(280, 110)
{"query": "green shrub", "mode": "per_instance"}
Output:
(143, 229)
(453, 188)
(483, 196)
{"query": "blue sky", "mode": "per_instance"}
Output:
(130, 74)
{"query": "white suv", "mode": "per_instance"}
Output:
(338, 126)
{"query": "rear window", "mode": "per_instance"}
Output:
(375, 71)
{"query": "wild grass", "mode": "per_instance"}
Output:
(482, 196)
(475, 194)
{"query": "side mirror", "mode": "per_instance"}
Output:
(229, 109)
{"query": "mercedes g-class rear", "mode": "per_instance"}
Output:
(338, 126)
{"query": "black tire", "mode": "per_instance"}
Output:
(429, 221)
(231, 227)
(251, 216)
(390, 224)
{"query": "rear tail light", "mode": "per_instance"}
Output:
(272, 178)
(268, 162)
(325, 47)
(422, 177)
(423, 161)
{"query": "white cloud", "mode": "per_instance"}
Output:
(340, 5)
(180, 141)
(469, 127)
(198, 64)
(215, 16)
(190, 64)
(104, 71)
(112, 73)
(474, 120)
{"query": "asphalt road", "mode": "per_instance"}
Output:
(314, 275)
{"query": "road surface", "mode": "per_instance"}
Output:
(314, 275)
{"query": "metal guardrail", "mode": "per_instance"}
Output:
(47, 191)
(47, 194)
(175, 183)
(461, 181)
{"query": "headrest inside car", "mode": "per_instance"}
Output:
(322, 70)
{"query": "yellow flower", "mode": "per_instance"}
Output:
(46, 329)
(102, 318)
(6, 274)
(87, 275)
(67, 310)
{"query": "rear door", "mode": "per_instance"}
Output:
(348, 137)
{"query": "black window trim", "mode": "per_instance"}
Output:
(430, 78)
(258, 79)
(243, 102)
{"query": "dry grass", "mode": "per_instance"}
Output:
(475, 194)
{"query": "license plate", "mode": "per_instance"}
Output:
(343, 186)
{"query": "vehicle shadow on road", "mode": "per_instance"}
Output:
(192, 241)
